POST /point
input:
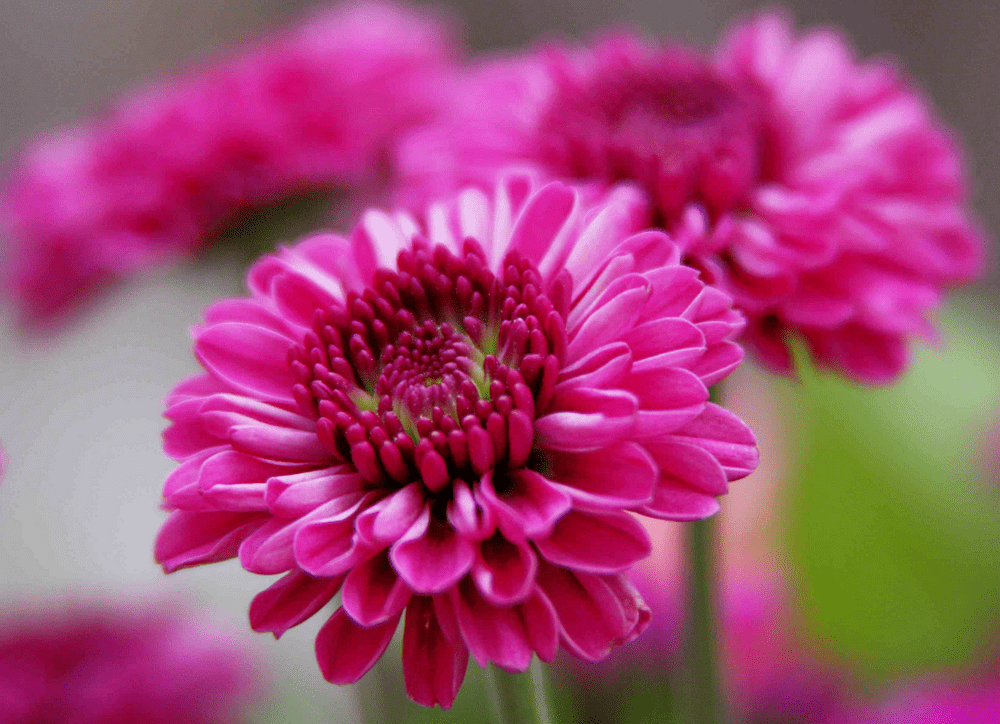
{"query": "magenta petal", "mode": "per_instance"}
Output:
(268, 550)
(619, 476)
(542, 625)
(192, 538)
(328, 547)
(726, 437)
(596, 542)
(528, 506)
(667, 334)
(252, 359)
(433, 669)
(676, 502)
(607, 323)
(668, 399)
(431, 557)
(280, 443)
(373, 593)
(539, 224)
(491, 633)
(187, 435)
(718, 362)
(391, 517)
(346, 651)
(592, 617)
(587, 419)
(604, 367)
(291, 600)
(291, 496)
(689, 465)
(504, 572)
(468, 516)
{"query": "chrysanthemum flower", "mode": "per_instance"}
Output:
(455, 418)
(105, 664)
(819, 191)
(313, 107)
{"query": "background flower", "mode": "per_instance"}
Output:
(819, 191)
(103, 663)
(457, 426)
(314, 107)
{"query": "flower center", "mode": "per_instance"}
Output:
(435, 371)
(668, 122)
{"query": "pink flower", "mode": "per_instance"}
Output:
(932, 702)
(454, 418)
(820, 192)
(104, 664)
(313, 107)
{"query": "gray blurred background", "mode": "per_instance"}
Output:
(80, 417)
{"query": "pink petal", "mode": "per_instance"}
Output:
(618, 476)
(491, 633)
(346, 651)
(601, 368)
(676, 502)
(527, 506)
(192, 538)
(667, 334)
(592, 617)
(718, 362)
(504, 572)
(328, 547)
(542, 222)
(596, 542)
(187, 435)
(280, 443)
(252, 359)
(291, 600)
(726, 437)
(468, 516)
(587, 419)
(386, 521)
(606, 323)
(689, 465)
(373, 593)
(433, 669)
(668, 399)
(542, 625)
(431, 556)
(291, 496)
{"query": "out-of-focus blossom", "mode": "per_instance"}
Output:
(819, 191)
(315, 106)
(108, 664)
(932, 702)
(455, 417)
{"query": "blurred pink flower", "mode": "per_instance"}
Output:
(931, 702)
(316, 106)
(107, 664)
(819, 191)
(454, 418)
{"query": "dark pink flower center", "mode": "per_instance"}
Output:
(434, 372)
(668, 122)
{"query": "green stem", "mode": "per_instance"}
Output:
(511, 700)
(703, 686)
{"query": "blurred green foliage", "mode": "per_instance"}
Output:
(893, 534)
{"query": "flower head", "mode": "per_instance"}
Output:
(104, 664)
(166, 166)
(456, 417)
(819, 191)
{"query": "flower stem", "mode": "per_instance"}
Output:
(703, 687)
(511, 700)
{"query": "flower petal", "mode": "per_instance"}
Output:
(251, 359)
(492, 633)
(191, 538)
(596, 542)
(587, 419)
(431, 556)
(527, 506)
(433, 668)
(373, 593)
(622, 475)
(346, 651)
(504, 572)
(291, 600)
